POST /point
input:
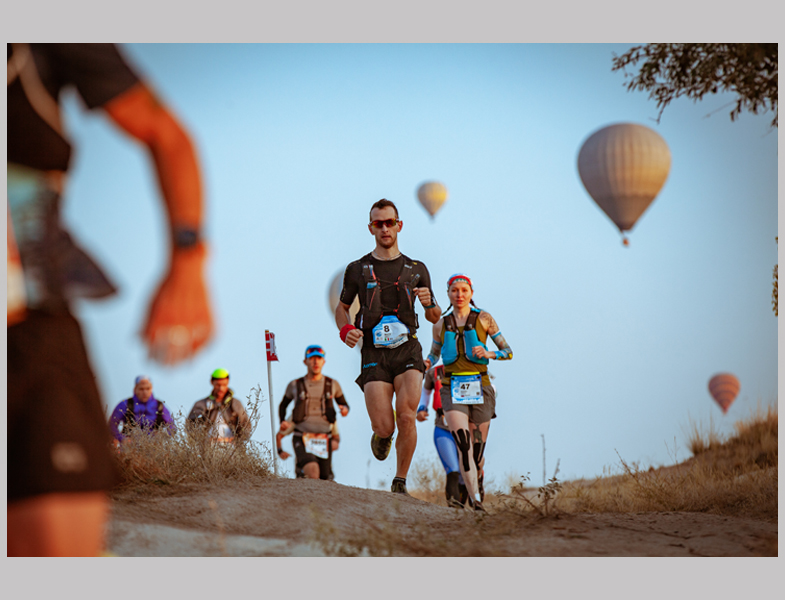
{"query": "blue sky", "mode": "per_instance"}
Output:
(613, 346)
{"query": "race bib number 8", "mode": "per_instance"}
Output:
(316, 444)
(390, 333)
(466, 389)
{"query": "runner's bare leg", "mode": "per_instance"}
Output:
(378, 403)
(407, 396)
(457, 421)
(311, 470)
(58, 524)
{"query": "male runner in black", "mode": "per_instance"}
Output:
(387, 283)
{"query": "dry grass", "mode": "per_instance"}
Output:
(426, 481)
(737, 476)
(159, 459)
(733, 477)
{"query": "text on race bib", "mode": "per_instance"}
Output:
(466, 389)
(317, 444)
(390, 333)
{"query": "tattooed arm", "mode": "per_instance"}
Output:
(504, 351)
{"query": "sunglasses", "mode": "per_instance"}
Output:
(389, 223)
(310, 349)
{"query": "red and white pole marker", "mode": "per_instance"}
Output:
(269, 338)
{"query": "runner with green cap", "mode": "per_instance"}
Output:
(221, 412)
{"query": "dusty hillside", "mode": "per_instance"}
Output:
(185, 498)
(286, 517)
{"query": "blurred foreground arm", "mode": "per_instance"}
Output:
(179, 321)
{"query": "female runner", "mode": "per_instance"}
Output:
(468, 398)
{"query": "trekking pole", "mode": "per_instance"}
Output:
(269, 339)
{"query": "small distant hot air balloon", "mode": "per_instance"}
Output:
(623, 167)
(334, 295)
(432, 195)
(723, 388)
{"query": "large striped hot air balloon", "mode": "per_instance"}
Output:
(623, 167)
(432, 195)
(724, 388)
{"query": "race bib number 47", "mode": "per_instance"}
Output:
(466, 389)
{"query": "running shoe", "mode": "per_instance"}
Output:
(381, 446)
(399, 486)
(464, 493)
(451, 490)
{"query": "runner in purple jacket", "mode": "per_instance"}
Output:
(143, 409)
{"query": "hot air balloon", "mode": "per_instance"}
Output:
(623, 167)
(723, 388)
(334, 295)
(432, 195)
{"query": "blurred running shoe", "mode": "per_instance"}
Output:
(381, 446)
(399, 486)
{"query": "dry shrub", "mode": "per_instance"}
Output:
(700, 439)
(735, 477)
(427, 480)
(160, 458)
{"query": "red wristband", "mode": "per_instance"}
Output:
(346, 329)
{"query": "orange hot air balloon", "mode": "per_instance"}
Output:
(623, 167)
(724, 388)
(432, 195)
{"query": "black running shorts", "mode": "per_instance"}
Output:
(382, 364)
(58, 439)
(303, 457)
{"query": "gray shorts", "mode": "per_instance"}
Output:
(477, 413)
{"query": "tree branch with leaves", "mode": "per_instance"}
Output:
(668, 71)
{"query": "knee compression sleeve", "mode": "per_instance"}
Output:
(445, 446)
(479, 448)
(461, 438)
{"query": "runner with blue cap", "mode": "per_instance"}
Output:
(315, 436)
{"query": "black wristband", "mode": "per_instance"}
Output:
(431, 306)
(185, 237)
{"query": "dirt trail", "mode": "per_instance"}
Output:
(296, 517)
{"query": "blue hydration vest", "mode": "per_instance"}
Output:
(470, 339)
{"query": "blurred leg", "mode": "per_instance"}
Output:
(311, 470)
(60, 524)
